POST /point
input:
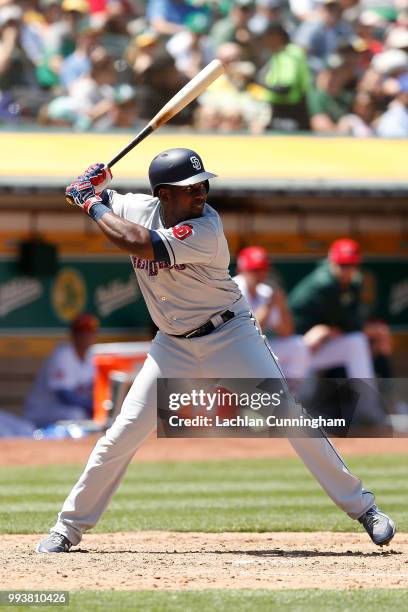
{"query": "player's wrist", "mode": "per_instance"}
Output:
(95, 208)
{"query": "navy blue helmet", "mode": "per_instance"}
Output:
(177, 167)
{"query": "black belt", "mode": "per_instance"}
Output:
(210, 326)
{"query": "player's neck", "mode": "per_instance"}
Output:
(168, 219)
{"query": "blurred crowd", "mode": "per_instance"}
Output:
(326, 66)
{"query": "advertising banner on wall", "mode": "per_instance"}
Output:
(109, 289)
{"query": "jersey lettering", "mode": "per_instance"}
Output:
(152, 267)
(181, 232)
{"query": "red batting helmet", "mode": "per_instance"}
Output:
(345, 252)
(252, 258)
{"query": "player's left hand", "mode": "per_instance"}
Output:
(100, 176)
(83, 193)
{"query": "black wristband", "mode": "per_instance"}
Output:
(97, 211)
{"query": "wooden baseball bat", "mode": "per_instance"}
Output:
(187, 94)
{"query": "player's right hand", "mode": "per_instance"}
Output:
(100, 176)
(82, 192)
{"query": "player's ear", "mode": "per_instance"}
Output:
(163, 193)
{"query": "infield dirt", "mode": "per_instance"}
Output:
(52, 452)
(162, 560)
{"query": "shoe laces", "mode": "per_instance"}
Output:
(57, 538)
(372, 517)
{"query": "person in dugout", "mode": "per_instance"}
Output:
(63, 388)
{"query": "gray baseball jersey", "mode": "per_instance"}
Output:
(190, 283)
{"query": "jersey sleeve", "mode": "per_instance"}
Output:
(190, 242)
(132, 206)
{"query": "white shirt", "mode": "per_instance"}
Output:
(63, 370)
(263, 293)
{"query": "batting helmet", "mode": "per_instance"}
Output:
(177, 167)
(345, 252)
(252, 258)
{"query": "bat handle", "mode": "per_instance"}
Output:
(137, 139)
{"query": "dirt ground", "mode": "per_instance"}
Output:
(161, 560)
(51, 452)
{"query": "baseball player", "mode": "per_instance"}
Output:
(271, 311)
(180, 256)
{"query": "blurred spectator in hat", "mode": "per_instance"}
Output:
(123, 112)
(229, 100)
(397, 38)
(269, 305)
(267, 12)
(64, 385)
(91, 98)
(48, 40)
(192, 49)
(238, 71)
(142, 51)
(168, 17)
(381, 79)
(157, 84)
(115, 15)
(319, 37)
(355, 53)
(42, 29)
(371, 29)
(207, 118)
(351, 10)
(234, 27)
(60, 21)
(119, 20)
(77, 6)
(88, 46)
(332, 96)
(391, 62)
(303, 10)
(74, 11)
(285, 79)
(394, 122)
(20, 95)
(359, 122)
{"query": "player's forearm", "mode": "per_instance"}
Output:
(130, 237)
(87, 192)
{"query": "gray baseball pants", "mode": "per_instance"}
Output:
(237, 350)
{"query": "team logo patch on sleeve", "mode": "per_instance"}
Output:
(181, 232)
